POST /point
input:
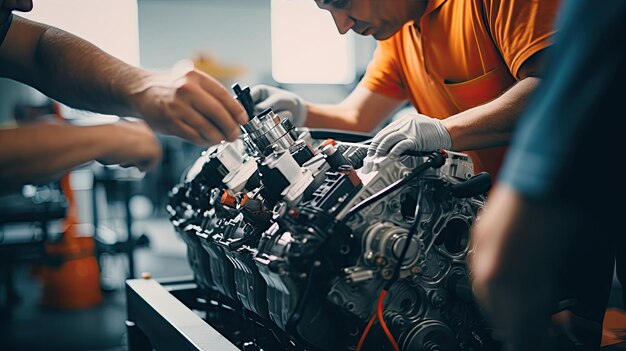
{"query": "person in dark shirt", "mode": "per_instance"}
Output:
(549, 234)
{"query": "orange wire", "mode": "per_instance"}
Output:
(381, 320)
(378, 314)
(365, 332)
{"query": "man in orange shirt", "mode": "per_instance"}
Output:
(467, 66)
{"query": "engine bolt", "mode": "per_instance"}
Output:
(380, 261)
(416, 270)
(386, 273)
(438, 300)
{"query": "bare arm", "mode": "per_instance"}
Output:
(361, 111)
(68, 68)
(42, 151)
(191, 104)
(492, 124)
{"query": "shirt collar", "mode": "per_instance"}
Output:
(432, 6)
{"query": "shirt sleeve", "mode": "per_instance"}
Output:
(520, 28)
(383, 72)
(565, 144)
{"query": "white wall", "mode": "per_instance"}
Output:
(234, 31)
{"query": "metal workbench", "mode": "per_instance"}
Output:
(160, 317)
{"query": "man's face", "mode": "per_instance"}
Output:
(378, 18)
(6, 6)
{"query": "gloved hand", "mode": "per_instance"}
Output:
(283, 102)
(412, 131)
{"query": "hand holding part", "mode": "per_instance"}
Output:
(191, 105)
(411, 132)
(281, 101)
(134, 145)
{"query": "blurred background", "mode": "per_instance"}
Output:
(287, 43)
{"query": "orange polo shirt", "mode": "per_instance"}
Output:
(463, 54)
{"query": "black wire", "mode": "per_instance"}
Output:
(435, 160)
(378, 195)
(392, 187)
(396, 270)
(343, 135)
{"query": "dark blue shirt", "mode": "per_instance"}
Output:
(566, 144)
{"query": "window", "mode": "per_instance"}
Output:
(112, 25)
(306, 46)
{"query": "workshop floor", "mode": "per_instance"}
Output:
(101, 328)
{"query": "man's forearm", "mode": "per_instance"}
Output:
(83, 76)
(333, 117)
(490, 124)
(361, 111)
(38, 152)
(68, 68)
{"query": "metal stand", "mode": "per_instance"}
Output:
(119, 184)
(23, 233)
(159, 318)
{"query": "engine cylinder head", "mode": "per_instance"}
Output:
(268, 132)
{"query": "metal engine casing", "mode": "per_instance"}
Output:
(269, 225)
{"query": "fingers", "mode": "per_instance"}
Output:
(280, 103)
(260, 92)
(401, 147)
(369, 165)
(151, 163)
(374, 163)
(135, 145)
(371, 150)
(207, 105)
(194, 106)
(263, 105)
(265, 96)
(388, 142)
(378, 138)
(186, 129)
(225, 101)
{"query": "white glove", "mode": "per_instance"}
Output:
(413, 132)
(283, 102)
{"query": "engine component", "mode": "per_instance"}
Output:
(288, 229)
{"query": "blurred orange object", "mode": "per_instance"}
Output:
(614, 328)
(73, 280)
(211, 66)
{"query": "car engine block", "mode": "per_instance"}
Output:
(283, 227)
